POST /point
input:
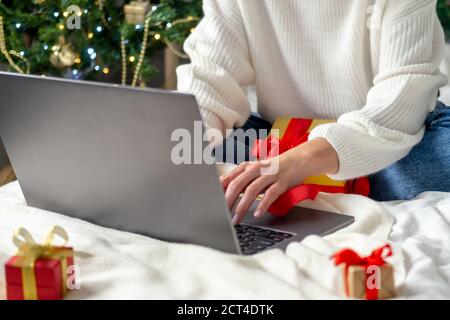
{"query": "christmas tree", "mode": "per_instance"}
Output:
(443, 9)
(91, 39)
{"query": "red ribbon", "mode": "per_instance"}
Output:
(297, 133)
(351, 258)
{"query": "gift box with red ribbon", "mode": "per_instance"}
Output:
(370, 277)
(39, 271)
(288, 133)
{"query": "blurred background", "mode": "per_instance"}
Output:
(443, 9)
(129, 42)
(136, 43)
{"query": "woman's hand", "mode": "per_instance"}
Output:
(315, 157)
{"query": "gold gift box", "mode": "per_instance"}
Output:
(357, 282)
(136, 11)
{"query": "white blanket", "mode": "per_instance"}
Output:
(129, 266)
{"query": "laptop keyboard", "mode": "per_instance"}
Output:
(254, 239)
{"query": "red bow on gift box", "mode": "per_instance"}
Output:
(350, 258)
(289, 133)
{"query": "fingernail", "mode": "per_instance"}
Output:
(235, 219)
(257, 214)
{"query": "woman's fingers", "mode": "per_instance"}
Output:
(270, 196)
(238, 184)
(251, 192)
(227, 178)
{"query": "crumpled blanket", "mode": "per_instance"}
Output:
(130, 266)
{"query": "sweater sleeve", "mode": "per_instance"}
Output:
(411, 46)
(220, 66)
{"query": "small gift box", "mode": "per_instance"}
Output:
(39, 271)
(136, 11)
(370, 278)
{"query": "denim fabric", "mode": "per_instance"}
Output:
(425, 168)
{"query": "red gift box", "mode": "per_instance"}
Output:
(48, 273)
(39, 271)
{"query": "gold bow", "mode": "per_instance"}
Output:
(30, 251)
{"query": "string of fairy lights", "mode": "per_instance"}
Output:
(62, 56)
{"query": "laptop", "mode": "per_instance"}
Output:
(102, 153)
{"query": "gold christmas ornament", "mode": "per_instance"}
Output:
(136, 11)
(62, 55)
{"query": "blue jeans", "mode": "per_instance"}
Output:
(425, 168)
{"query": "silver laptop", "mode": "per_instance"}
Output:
(102, 153)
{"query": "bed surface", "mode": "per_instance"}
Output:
(129, 266)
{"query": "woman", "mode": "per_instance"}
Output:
(372, 65)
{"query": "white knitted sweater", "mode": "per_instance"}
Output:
(371, 64)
